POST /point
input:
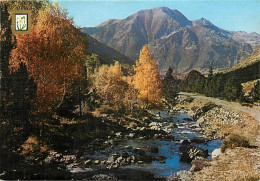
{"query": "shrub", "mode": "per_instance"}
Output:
(233, 141)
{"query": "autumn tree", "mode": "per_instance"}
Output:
(53, 53)
(111, 84)
(147, 80)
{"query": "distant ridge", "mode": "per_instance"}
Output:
(107, 55)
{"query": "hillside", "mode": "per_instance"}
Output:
(253, 59)
(176, 41)
(107, 55)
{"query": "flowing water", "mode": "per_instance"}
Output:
(169, 149)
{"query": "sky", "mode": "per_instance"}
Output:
(234, 15)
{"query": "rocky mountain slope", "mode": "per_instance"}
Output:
(106, 54)
(254, 59)
(176, 41)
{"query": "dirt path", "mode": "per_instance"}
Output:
(254, 111)
(248, 154)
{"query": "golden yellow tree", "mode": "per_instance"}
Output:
(147, 80)
(111, 85)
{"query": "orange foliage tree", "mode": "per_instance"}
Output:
(53, 53)
(147, 80)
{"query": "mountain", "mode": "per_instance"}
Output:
(176, 41)
(246, 70)
(253, 60)
(106, 54)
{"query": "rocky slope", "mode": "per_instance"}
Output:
(176, 41)
(107, 55)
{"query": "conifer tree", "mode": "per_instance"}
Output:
(170, 86)
(147, 80)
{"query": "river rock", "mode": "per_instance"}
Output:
(190, 152)
(187, 119)
(118, 134)
(139, 151)
(184, 175)
(154, 149)
(97, 162)
(199, 163)
(198, 140)
(88, 162)
(128, 147)
(161, 159)
(145, 158)
(201, 120)
(125, 155)
(103, 177)
(185, 142)
(131, 135)
(216, 153)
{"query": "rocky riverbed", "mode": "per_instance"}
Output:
(160, 148)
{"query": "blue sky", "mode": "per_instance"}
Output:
(236, 15)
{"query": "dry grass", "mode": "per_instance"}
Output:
(239, 164)
(234, 165)
(248, 86)
(248, 128)
(32, 146)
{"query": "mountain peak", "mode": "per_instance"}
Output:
(161, 14)
(205, 23)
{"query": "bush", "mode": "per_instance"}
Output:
(233, 141)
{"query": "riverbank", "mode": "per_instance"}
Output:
(219, 119)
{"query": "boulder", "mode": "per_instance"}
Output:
(216, 153)
(139, 151)
(131, 135)
(184, 175)
(125, 155)
(103, 177)
(97, 162)
(200, 121)
(88, 162)
(199, 163)
(161, 159)
(154, 149)
(187, 119)
(118, 134)
(190, 152)
(185, 142)
(198, 140)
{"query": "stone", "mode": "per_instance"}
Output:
(198, 140)
(103, 177)
(190, 152)
(118, 134)
(199, 163)
(154, 149)
(184, 175)
(201, 121)
(88, 162)
(161, 159)
(185, 142)
(125, 155)
(187, 119)
(131, 135)
(139, 151)
(216, 153)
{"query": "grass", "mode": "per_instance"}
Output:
(239, 163)
(233, 141)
